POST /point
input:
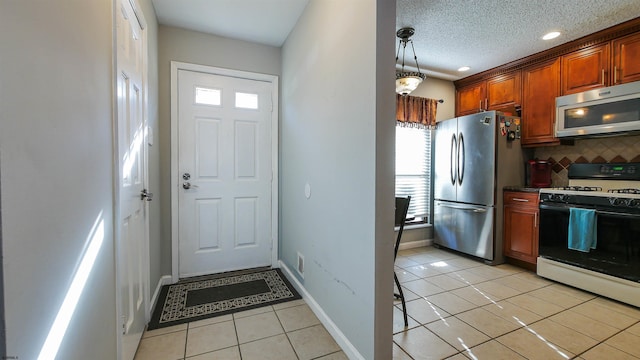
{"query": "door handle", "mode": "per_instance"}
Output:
(465, 208)
(461, 158)
(145, 195)
(452, 161)
(187, 185)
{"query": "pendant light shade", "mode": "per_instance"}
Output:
(406, 81)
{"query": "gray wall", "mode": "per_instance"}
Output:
(56, 121)
(337, 135)
(3, 331)
(155, 206)
(198, 48)
(433, 88)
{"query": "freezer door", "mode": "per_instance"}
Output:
(465, 228)
(476, 158)
(445, 160)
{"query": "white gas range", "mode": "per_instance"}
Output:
(610, 264)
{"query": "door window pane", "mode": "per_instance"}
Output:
(246, 100)
(205, 96)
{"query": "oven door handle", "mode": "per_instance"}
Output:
(554, 207)
(565, 208)
(619, 214)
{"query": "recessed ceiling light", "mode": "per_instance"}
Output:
(551, 35)
(464, 68)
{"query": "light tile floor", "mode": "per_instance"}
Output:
(460, 308)
(280, 332)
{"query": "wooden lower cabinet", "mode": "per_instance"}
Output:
(521, 219)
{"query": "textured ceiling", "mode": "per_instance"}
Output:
(481, 34)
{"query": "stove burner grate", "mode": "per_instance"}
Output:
(582, 188)
(625, 191)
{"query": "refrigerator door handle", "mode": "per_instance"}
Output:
(461, 158)
(464, 207)
(452, 160)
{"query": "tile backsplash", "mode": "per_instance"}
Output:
(601, 150)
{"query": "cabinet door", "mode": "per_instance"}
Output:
(585, 69)
(626, 59)
(541, 86)
(504, 91)
(521, 232)
(470, 99)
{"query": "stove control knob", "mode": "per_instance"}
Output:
(634, 203)
(619, 202)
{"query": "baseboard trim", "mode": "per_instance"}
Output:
(332, 328)
(415, 244)
(164, 280)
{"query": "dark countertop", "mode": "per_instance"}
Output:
(521, 189)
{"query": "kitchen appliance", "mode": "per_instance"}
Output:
(612, 267)
(611, 110)
(539, 173)
(474, 160)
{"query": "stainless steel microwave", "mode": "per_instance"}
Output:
(611, 110)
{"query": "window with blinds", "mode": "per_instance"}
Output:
(413, 170)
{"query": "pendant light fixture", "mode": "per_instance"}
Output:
(407, 81)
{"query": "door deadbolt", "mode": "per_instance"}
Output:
(186, 176)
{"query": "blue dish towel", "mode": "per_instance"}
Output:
(582, 229)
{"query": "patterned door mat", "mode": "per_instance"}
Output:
(208, 296)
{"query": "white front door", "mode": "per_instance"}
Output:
(132, 241)
(224, 170)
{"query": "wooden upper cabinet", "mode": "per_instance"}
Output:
(504, 91)
(499, 93)
(626, 59)
(541, 86)
(585, 69)
(470, 99)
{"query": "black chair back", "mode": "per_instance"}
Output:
(402, 207)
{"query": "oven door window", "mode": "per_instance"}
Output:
(617, 252)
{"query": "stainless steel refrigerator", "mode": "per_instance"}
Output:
(475, 157)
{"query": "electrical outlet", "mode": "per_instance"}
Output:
(300, 267)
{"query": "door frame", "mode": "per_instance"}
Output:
(175, 171)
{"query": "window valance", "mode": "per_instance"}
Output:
(414, 111)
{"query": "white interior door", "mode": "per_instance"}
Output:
(225, 173)
(132, 239)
